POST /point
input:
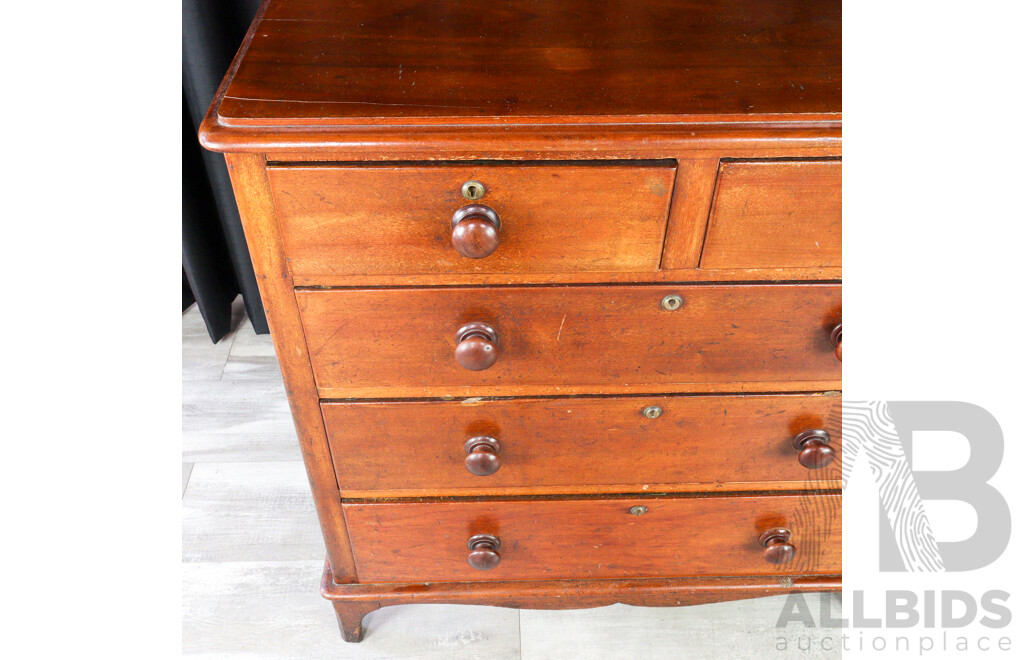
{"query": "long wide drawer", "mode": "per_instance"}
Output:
(590, 444)
(398, 219)
(595, 538)
(571, 340)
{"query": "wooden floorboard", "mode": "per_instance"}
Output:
(274, 610)
(259, 511)
(186, 472)
(734, 630)
(201, 359)
(237, 420)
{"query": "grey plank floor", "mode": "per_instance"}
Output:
(252, 553)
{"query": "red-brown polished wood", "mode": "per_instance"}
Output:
(476, 346)
(482, 455)
(595, 538)
(483, 551)
(565, 340)
(557, 217)
(684, 276)
(248, 176)
(523, 61)
(354, 601)
(589, 444)
(709, 119)
(475, 230)
(776, 214)
(816, 450)
(602, 129)
(777, 546)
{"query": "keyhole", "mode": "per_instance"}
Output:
(671, 303)
(652, 412)
(473, 190)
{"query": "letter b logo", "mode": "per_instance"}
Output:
(883, 432)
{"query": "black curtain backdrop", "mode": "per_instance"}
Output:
(215, 262)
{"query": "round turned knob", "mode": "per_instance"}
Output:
(815, 452)
(777, 548)
(483, 552)
(483, 455)
(475, 231)
(477, 346)
(837, 340)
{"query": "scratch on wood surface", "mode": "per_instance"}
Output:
(559, 337)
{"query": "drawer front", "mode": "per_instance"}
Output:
(590, 444)
(398, 220)
(572, 340)
(776, 214)
(594, 538)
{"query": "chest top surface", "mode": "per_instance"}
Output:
(353, 63)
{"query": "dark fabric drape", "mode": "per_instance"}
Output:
(187, 297)
(214, 257)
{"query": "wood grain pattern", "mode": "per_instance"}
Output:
(354, 601)
(755, 137)
(271, 610)
(757, 132)
(223, 422)
(186, 472)
(686, 276)
(564, 340)
(206, 360)
(337, 61)
(397, 220)
(394, 449)
(695, 186)
(252, 192)
(249, 511)
(594, 538)
(560, 594)
(373, 115)
(776, 214)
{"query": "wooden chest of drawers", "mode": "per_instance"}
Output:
(555, 289)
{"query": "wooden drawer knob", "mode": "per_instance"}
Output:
(483, 552)
(837, 340)
(477, 347)
(815, 452)
(475, 231)
(777, 548)
(482, 459)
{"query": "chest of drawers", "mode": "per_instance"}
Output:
(555, 289)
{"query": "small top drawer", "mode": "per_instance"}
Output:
(776, 214)
(542, 218)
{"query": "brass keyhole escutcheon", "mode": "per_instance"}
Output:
(652, 412)
(473, 190)
(671, 303)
